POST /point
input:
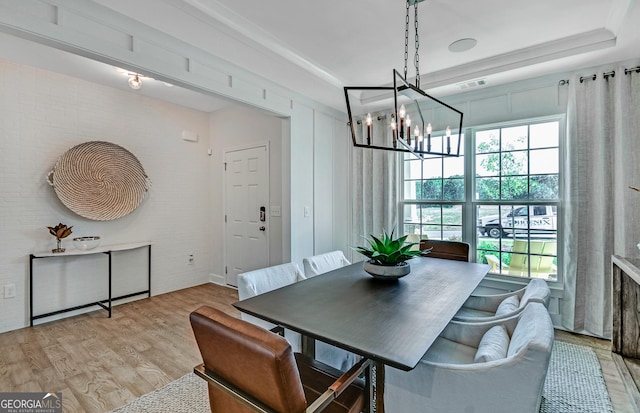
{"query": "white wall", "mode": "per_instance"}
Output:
(235, 128)
(43, 115)
(91, 30)
(331, 191)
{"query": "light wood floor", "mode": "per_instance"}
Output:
(100, 364)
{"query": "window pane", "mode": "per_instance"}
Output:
(411, 190)
(432, 168)
(515, 187)
(514, 163)
(452, 233)
(430, 189)
(545, 135)
(488, 165)
(452, 214)
(412, 168)
(487, 141)
(543, 187)
(544, 161)
(453, 189)
(453, 166)
(487, 189)
(411, 214)
(431, 214)
(514, 138)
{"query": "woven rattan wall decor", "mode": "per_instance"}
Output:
(99, 180)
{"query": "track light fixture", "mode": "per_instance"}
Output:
(135, 82)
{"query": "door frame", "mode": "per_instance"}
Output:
(238, 148)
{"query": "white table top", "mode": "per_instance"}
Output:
(99, 249)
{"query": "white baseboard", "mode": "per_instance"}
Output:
(217, 279)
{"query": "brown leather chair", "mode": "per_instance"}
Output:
(250, 369)
(449, 250)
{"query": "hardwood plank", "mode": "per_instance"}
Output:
(100, 364)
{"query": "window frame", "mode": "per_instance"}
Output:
(469, 204)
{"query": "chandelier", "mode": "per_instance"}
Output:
(408, 119)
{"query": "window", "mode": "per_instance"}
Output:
(516, 198)
(434, 195)
(508, 204)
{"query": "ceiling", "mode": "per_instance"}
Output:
(316, 48)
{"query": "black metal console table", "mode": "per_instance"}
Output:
(107, 249)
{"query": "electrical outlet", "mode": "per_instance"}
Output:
(191, 258)
(9, 291)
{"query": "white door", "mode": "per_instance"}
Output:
(247, 202)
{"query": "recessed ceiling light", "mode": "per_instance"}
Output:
(462, 45)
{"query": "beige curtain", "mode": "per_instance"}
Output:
(375, 189)
(601, 212)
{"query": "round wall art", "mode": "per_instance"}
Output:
(99, 180)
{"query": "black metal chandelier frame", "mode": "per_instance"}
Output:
(410, 94)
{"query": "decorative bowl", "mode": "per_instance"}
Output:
(384, 272)
(86, 243)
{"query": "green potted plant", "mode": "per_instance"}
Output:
(388, 256)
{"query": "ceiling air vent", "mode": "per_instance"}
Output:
(469, 84)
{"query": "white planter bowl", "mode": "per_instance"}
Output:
(384, 272)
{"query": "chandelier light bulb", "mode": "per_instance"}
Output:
(369, 120)
(403, 111)
(429, 129)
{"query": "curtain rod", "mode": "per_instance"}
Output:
(607, 75)
(633, 69)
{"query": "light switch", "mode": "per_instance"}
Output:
(275, 211)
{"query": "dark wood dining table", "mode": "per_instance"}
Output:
(390, 322)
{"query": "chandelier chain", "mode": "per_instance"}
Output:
(406, 41)
(417, 55)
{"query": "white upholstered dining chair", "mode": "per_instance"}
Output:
(263, 280)
(326, 353)
(483, 308)
(321, 263)
(497, 367)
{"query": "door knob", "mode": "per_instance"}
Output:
(262, 228)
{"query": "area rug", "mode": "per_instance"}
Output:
(574, 384)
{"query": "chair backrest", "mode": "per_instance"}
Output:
(540, 264)
(449, 250)
(261, 281)
(415, 239)
(319, 264)
(534, 329)
(259, 363)
(536, 291)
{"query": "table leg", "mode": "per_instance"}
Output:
(31, 290)
(309, 346)
(149, 274)
(379, 387)
(109, 253)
